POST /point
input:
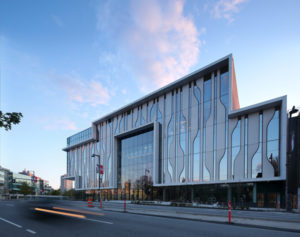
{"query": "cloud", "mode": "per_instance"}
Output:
(57, 20)
(226, 8)
(162, 42)
(80, 91)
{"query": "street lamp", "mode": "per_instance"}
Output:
(100, 171)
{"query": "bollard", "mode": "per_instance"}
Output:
(90, 203)
(124, 205)
(100, 202)
(229, 212)
(278, 205)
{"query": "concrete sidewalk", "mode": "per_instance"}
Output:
(283, 225)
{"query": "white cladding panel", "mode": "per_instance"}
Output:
(183, 152)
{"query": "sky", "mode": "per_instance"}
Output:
(64, 64)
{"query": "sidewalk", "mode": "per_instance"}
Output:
(258, 222)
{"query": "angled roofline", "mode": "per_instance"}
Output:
(169, 87)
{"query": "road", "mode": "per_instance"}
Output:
(13, 222)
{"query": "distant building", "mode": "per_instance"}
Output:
(3, 181)
(65, 184)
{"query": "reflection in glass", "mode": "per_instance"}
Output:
(142, 122)
(137, 118)
(273, 142)
(170, 137)
(182, 132)
(121, 124)
(235, 146)
(159, 116)
(257, 158)
(152, 112)
(224, 81)
(136, 171)
(214, 174)
(246, 148)
(207, 112)
(196, 155)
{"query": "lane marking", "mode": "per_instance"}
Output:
(80, 211)
(9, 222)
(31, 231)
(10, 205)
(60, 213)
(105, 222)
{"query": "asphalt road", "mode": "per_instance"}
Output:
(14, 221)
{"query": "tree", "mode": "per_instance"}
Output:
(26, 189)
(55, 192)
(7, 119)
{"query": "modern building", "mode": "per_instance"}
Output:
(3, 181)
(293, 159)
(188, 141)
(65, 184)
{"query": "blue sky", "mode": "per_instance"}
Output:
(64, 64)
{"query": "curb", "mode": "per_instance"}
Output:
(208, 221)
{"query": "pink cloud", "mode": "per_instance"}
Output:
(226, 8)
(163, 43)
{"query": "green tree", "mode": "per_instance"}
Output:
(55, 192)
(7, 119)
(26, 189)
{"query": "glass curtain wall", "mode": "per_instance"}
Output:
(273, 142)
(224, 91)
(135, 164)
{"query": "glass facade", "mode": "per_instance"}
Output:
(135, 166)
(207, 112)
(80, 137)
(235, 145)
(224, 91)
(257, 158)
(273, 142)
(193, 146)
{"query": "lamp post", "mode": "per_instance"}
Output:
(100, 171)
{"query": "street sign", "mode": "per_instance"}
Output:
(99, 169)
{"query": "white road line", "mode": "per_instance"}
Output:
(31, 231)
(10, 205)
(9, 222)
(105, 222)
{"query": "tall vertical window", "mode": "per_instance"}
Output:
(235, 145)
(257, 158)
(152, 112)
(142, 117)
(159, 115)
(273, 142)
(207, 112)
(182, 135)
(224, 90)
(196, 158)
(171, 137)
(246, 148)
(215, 127)
(137, 118)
